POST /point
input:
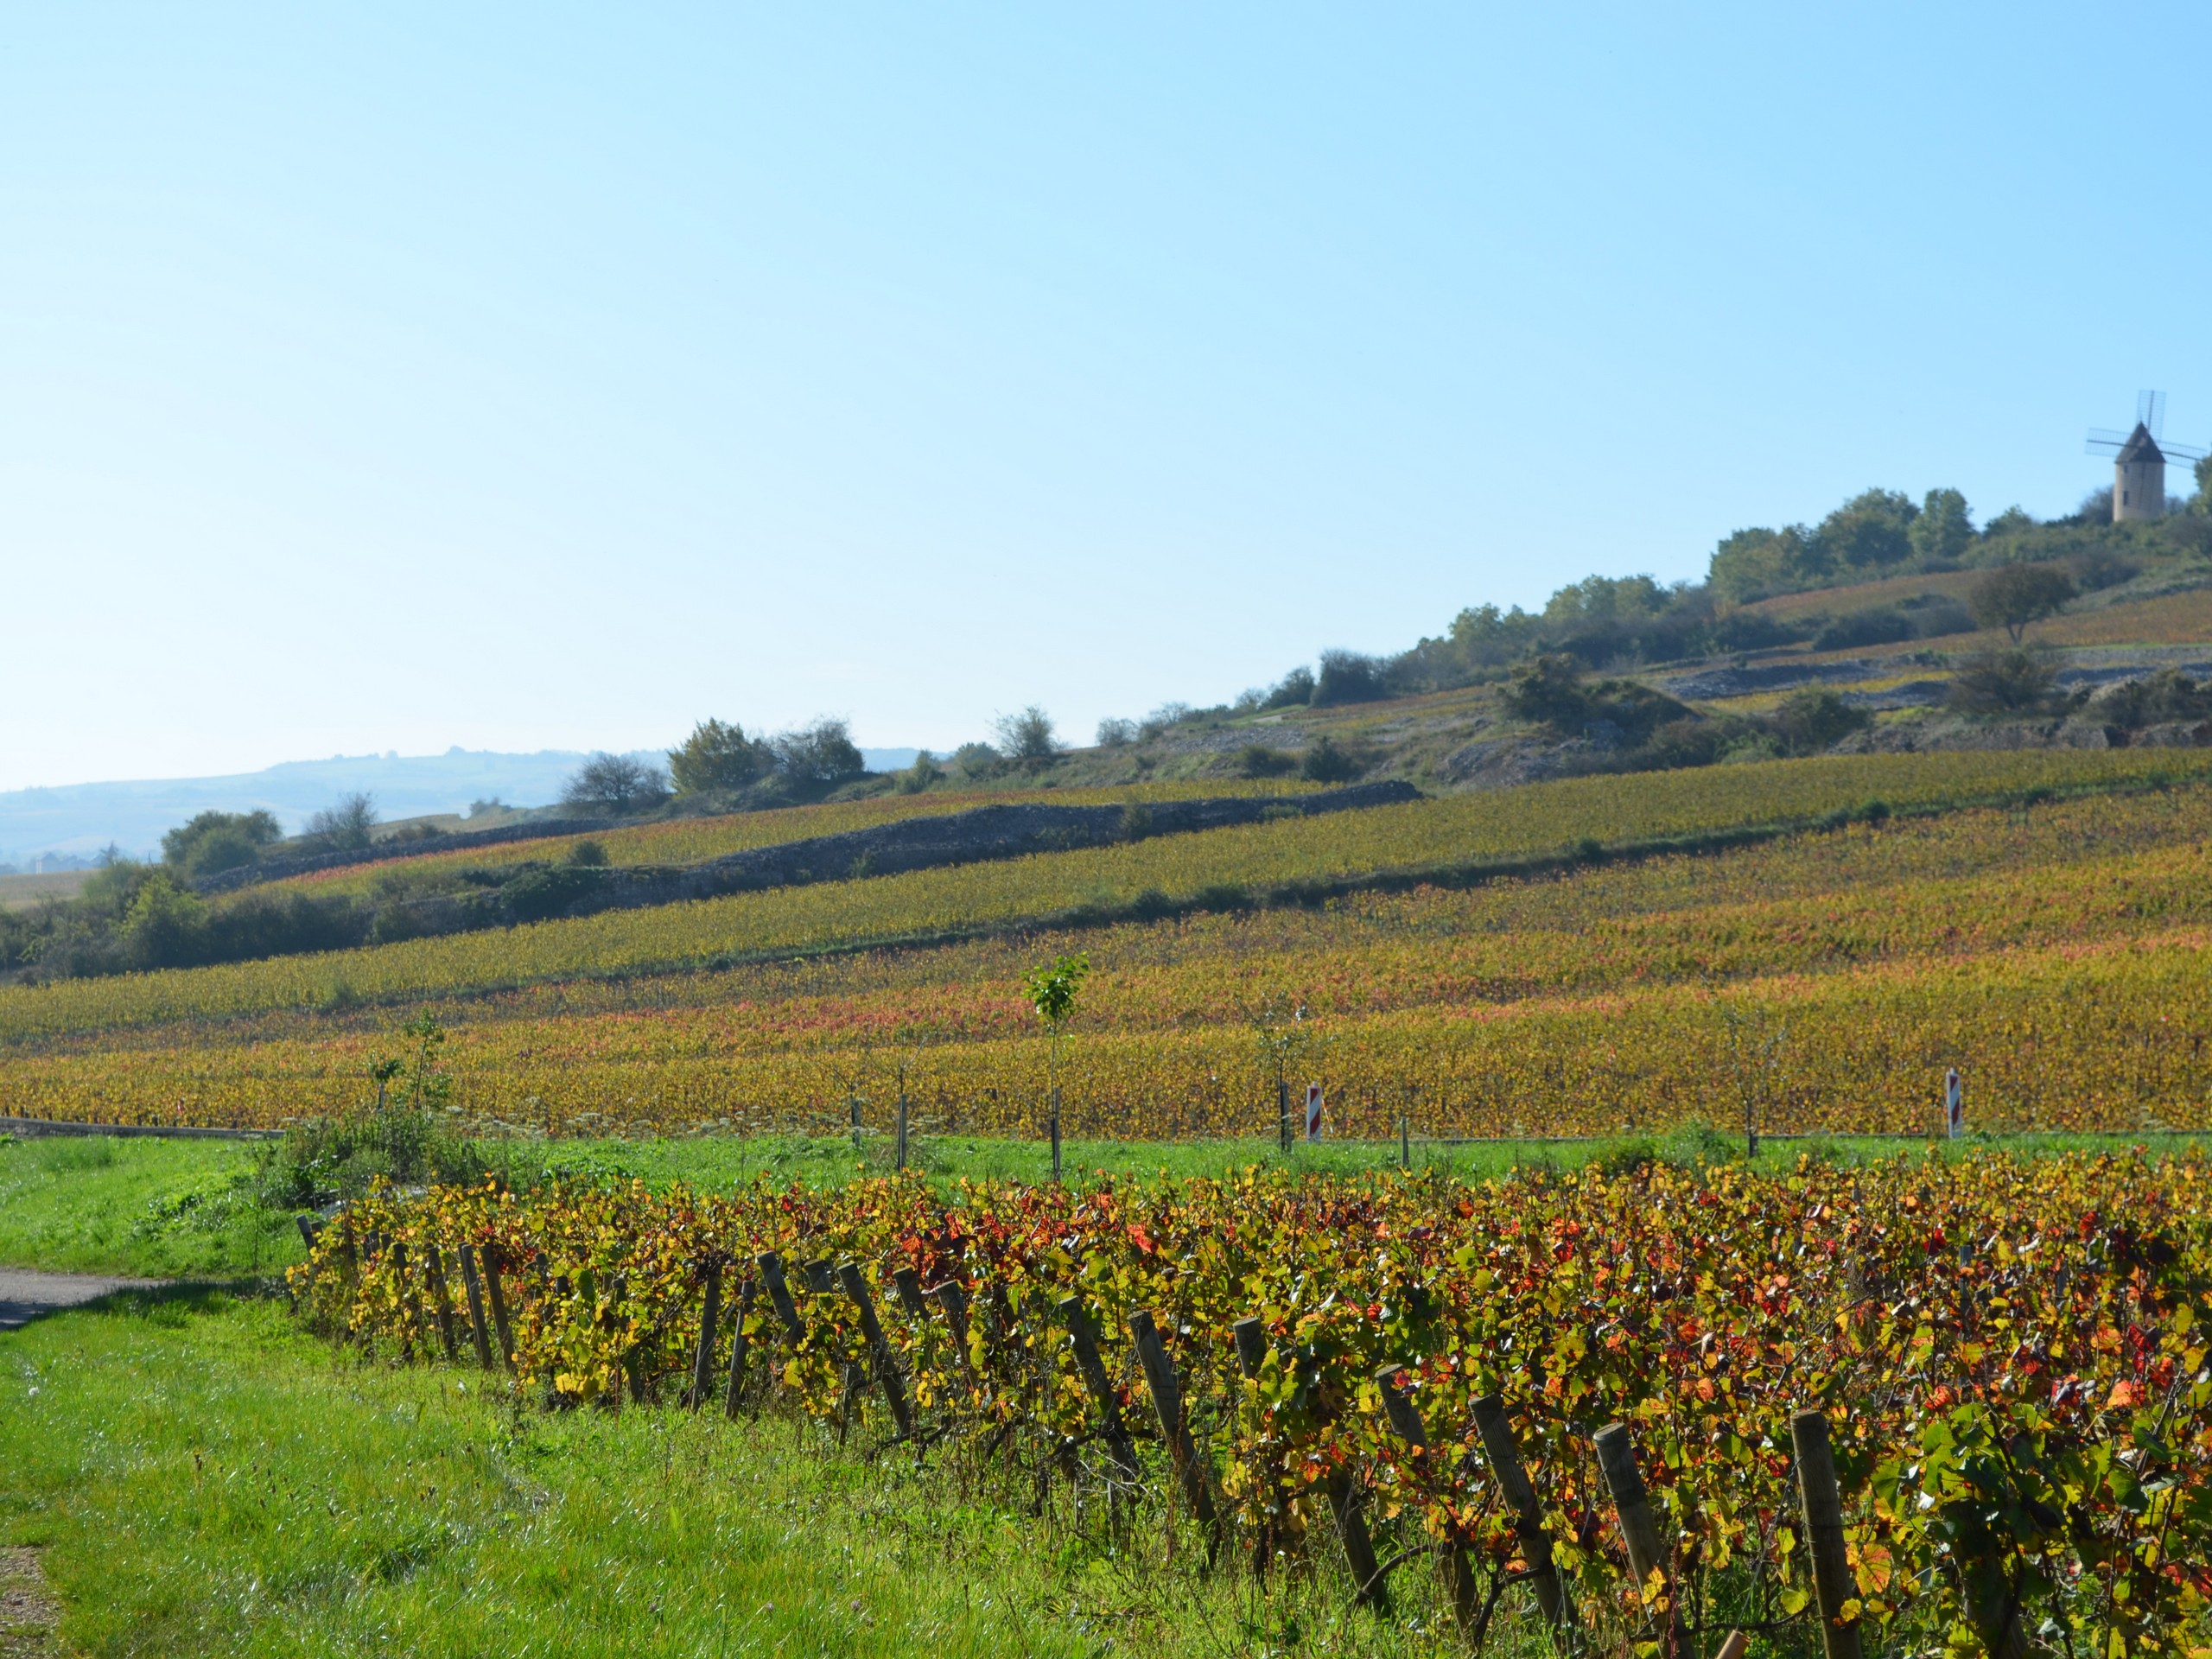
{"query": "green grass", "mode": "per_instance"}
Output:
(206, 1479)
(180, 1209)
(160, 1208)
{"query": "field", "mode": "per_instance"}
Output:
(2012, 1375)
(2053, 948)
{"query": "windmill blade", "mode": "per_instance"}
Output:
(2183, 451)
(2100, 447)
(2106, 434)
(2151, 411)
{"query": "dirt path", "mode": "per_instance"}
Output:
(27, 1610)
(26, 1295)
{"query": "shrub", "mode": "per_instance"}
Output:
(343, 828)
(2002, 682)
(2168, 695)
(1810, 722)
(614, 784)
(978, 761)
(1326, 763)
(1116, 734)
(1349, 676)
(587, 854)
(1027, 738)
(1879, 625)
(2100, 568)
(717, 759)
(1163, 719)
(1294, 689)
(920, 776)
(211, 842)
(1754, 631)
(1258, 761)
(817, 754)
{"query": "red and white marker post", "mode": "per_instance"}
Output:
(1313, 1111)
(1955, 1105)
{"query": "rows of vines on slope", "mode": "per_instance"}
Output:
(692, 841)
(2012, 1356)
(1454, 830)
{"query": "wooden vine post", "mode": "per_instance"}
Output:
(1406, 1421)
(474, 1289)
(1083, 1338)
(879, 1348)
(433, 1264)
(1167, 1405)
(1504, 1456)
(779, 1295)
(1647, 1552)
(954, 1301)
(496, 1295)
(737, 1347)
(1833, 1583)
(702, 1362)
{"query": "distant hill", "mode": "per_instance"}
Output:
(74, 821)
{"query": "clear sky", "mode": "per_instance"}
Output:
(395, 377)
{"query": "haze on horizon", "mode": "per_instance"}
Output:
(549, 379)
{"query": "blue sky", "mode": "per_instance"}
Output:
(401, 376)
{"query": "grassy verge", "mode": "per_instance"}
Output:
(166, 1209)
(206, 1479)
(187, 1208)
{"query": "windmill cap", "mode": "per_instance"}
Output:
(2141, 447)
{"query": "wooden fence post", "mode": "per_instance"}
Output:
(433, 1264)
(497, 1296)
(1083, 1336)
(821, 1276)
(703, 1362)
(887, 1363)
(1529, 1516)
(779, 1295)
(954, 1301)
(737, 1347)
(309, 1230)
(1832, 1583)
(1168, 1406)
(1647, 1552)
(902, 1131)
(475, 1290)
(1406, 1421)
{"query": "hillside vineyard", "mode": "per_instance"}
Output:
(2051, 945)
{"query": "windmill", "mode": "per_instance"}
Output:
(2139, 470)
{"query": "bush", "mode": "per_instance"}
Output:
(817, 754)
(1163, 719)
(718, 760)
(1257, 761)
(2166, 695)
(1934, 615)
(1294, 689)
(1326, 763)
(1754, 631)
(587, 854)
(2003, 682)
(1349, 676)
(2100, 568)
(1116, 734)
(1810, 722)
(343, 828)
(615, 785)
(920, 776)
(211, 842)
(1136, 821)
(977, 761)
(1881, 625)
(1028, 738)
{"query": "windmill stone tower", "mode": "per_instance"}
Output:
(2138, 464)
